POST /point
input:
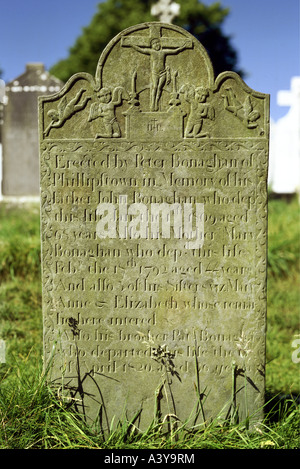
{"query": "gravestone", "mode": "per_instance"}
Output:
(153, 221)
(165, 10)
(20, 137)
(2, 94)
(284, 162)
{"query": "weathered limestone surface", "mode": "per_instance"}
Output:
(139, 319)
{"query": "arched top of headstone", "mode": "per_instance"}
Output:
(149, 74)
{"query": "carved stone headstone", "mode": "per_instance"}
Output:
(154, 215)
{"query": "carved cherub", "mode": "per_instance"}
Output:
(244, 112)
(199, 110)
(65, 110)
(105, 108)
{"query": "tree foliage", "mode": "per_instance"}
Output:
(112, 16)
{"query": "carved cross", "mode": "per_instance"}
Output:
(166, 10)
(155, 33)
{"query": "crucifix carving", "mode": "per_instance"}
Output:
(158, 48)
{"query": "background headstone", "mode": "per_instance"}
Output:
(284, 174)
(20, 145)
(2, 94)
(165, 10)
(154, 219)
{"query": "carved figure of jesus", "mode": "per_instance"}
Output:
(160, 74)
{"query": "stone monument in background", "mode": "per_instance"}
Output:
(154, 235)
(284, 168)
(19, 133)
(165, 10)
(2, 94)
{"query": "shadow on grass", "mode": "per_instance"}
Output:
(277, 405)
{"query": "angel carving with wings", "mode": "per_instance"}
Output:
(199, 110)
(105, 108)
(244, 112)
(65, 110)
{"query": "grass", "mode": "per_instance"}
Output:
(32, 417)
(283, 375)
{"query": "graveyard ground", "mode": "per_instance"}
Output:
(32, 417)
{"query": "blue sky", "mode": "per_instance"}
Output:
(264, 32)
